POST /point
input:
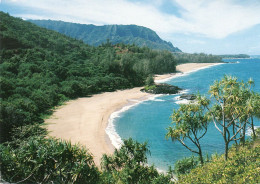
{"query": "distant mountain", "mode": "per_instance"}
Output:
(96, 35)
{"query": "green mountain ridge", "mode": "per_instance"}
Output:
(96, 35)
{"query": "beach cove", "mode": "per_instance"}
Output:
(85, 120)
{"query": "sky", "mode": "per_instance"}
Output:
(194, 26)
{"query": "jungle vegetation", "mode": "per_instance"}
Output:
(41, 69)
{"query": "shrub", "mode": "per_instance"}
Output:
(149, 80)
(243, 166)
(129, 165)
(185, 165)
(47, 161)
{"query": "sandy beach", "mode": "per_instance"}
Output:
(84, 120)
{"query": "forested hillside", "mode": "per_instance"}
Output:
(39, 70)
(96, 35)
(127, 34)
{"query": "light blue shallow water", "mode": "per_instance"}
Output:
(148, 120)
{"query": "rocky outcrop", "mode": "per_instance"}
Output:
(188, 96)
(162, 89)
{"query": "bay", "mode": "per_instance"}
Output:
(148, 120)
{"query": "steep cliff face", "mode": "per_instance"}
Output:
(96, 35)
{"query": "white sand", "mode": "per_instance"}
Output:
(84, 120)
(187, 67)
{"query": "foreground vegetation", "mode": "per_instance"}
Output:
(242, 167)
(232, 108)
(41, 160)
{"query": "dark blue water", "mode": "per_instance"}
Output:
(148, 121)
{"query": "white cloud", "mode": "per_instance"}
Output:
(220, 18)
(211, 18)
(196, 42)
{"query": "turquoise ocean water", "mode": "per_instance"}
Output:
(148, 120)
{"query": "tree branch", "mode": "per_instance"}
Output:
(238, 130)
(187, 146)
(206, 129)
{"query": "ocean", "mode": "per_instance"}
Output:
(148, 120)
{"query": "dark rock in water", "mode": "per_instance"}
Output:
(188, 96)
(162, 89)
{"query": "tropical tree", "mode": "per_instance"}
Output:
(149, 80)
(129, 165)
(189, 122)
(234, 104)
(233, 107)
(254, 104)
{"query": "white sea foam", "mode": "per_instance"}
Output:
(178, 100)
(183, 101)
(153, 98)
(185, 91)
(161, 171)
(159, 100)
(249, 130)
(111, 130)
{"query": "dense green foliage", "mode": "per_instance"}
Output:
(242, 167)
(129, 165)
(47, 161)
(96, 35)
(40, 68)
(41, 160)
(149, 81)
(197, 58)
(232, 107)
(185, 165)
(189, 123)
(161, 89)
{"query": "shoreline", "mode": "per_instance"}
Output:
(86, 120)
(184, 69)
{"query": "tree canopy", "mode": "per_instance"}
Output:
(233, 104)
(189, 122)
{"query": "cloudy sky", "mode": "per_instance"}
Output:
(210, 26)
